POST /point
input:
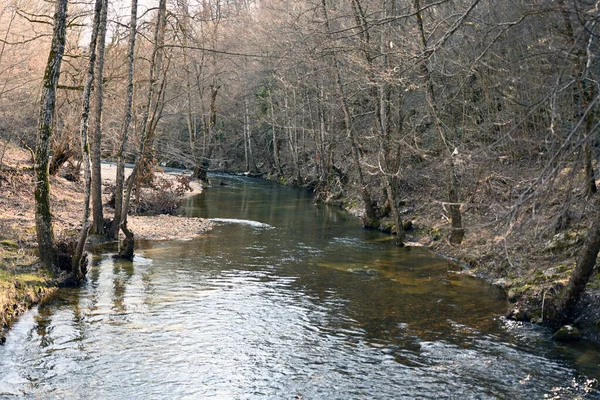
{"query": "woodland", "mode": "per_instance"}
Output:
(473, 123)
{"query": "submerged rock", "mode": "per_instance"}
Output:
(567, 333)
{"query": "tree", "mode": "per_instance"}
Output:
(369, 220)
(124, 135)
(580, 276)
(43, 214)
(153, 101)
(77, 270)
(452, 187)
(97, 214)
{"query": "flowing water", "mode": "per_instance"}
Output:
(284, 300)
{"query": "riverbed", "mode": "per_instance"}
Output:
(284, 300)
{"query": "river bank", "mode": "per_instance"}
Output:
(23, 281)
(528, 249)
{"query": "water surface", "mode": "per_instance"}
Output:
(284, 300)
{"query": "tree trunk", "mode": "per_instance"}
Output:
(295, 142)
(384, 114)
(43, 215)
(155, 69)
(583, 270)
(458, 232)
(201, 168)
(120, 179)
(76, 268)
(323, 138)
(369, 220)
(586, 94)
(246, 136)
(276, 158)
(249, 154)
(591, 188)
(97, 214)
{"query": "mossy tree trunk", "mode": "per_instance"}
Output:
(210, 125)
(380, 93)
(43, 214)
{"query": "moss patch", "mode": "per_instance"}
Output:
(22, 283)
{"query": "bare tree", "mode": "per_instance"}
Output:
(43, 214)
(97, 214)
(152, 105)
(370, 218)
(124, 136)
(77, 270)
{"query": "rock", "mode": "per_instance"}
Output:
(518, 314)
(567, 333)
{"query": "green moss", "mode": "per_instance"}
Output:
(436, 233)
(563, 268)
(9, 244)
(567, 333)
(351, 204)
(388, 227)
(517, 291)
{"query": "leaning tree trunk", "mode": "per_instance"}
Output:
(583, 270)
(43, 215)
(97, 214)
(76, 267)
(120, 179)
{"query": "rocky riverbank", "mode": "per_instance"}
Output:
(23, 281)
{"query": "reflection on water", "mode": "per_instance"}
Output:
(284, 300)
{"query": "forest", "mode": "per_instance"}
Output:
(471, 125)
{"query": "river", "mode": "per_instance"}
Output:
(284, 300)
